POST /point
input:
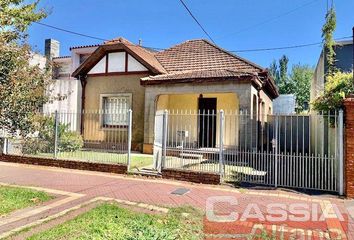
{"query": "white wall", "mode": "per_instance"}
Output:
(68, 88)
(38, 59)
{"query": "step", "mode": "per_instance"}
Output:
(147, 172)
(192, 156)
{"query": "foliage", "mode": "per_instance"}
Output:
(280, 74)
(13, 198)
(16, 16)
(301, 76)
(44, 141)
(109, 221)
(298, 82)
(338, 86)
(327, 35)
(22, 85)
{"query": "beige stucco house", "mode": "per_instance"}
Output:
(194, 75)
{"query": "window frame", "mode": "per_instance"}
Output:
(107, 95)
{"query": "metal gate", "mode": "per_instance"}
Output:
(294, 151)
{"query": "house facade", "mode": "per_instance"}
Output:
(195, 75)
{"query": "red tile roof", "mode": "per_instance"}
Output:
(193, 60)
(202, 55)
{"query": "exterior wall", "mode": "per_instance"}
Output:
(75, 56)
(242, 90)
(114, 85)
(349, 148)
(38, 59)
(317, 84)
(284, 104)
(70, 90)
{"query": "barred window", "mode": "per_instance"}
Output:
(115, 110)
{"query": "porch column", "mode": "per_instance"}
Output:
(349, 148)
(149, 120)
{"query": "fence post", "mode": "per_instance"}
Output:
(221, 144)
(6, 145)
(56, 137)
(341, 154)
(130, 123)
(275, 147)
(164, 138)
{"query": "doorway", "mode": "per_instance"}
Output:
(207, 122)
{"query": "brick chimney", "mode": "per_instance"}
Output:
(52, 48)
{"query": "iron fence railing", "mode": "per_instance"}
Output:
(91, 136)
(297, 151)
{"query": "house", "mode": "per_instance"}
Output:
(194, 75)
(344, 63)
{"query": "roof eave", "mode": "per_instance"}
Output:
(145, 82)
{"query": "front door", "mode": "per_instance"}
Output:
(207, 122)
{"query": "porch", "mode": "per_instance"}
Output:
(199, 105)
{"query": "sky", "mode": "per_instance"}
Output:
(233, 24)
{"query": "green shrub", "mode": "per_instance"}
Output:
(70, 142)
(338, 86)
(44, 142)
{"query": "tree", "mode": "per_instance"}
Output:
(337, 88)
(301, 76)
(16, 17)
(273, 70)
(22, 86)
(327, 35)
(298, 82)
(280, 74)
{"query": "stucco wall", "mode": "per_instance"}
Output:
(114, 85)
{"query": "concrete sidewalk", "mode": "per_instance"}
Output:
(75, 187)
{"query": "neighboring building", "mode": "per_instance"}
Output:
(66, 89)
(344, 62)
(285, 104)
(194, 75)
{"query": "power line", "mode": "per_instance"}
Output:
(270, 19)
(71, 32)
(285, 47)
(161, 49)
(196, 20)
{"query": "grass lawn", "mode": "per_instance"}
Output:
(137, 160)
(14, 198)
(109, 221)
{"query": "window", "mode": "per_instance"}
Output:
(115, 109)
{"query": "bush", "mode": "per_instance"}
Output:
(70, 142)
(337, 88)
(42, 141)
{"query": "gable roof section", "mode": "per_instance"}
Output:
(200, 54)
(144, 56)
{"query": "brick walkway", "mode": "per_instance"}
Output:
(76, 187)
